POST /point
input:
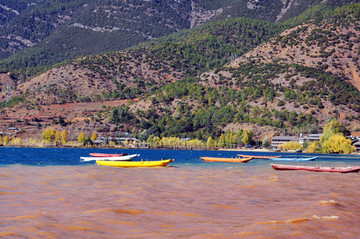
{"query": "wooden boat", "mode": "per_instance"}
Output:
(129, 164)
(258, 157)
(294, 159)
(233, 160)
(106, 155)
(317, 168)
(119, 158)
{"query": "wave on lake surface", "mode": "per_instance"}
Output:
(65, 198)
(71, 156)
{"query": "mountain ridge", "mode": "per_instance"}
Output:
(199, 87)
(44, 33)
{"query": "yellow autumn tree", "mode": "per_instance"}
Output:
(64, 136)
(337, 144)
(6, 139)
(94, 136)
(81, 137)
(291, 146)
(1, 140)
(332, 128)
(313, 147)
(48, 135)
(32, 141)
(57, 137)
(150, 141)
(333, 139)
(17, 141)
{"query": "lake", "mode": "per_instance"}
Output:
(49, 193)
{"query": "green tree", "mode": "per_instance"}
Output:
(221, 141)
(247, 137)
(333, 139)
(210, 143)
(265, 142)
(150, 140)
(332, 128)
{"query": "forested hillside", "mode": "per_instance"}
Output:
(130, 74)
(36, 35)
(271, 78)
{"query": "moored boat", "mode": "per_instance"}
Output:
(258, 157)
(106, 155)
(119, 158)
(348, 169)
(294, 159)
(233, 160)
(129, 164)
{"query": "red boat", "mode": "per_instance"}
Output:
(106, 155)
(348, 169)
(232, 160)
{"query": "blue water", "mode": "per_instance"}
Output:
(71, 156)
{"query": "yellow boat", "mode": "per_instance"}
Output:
(129, 164)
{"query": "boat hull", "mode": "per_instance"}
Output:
(294, 159)
(128, 164)
(317, 168)
(106, 155)
(257, 157)
(120, 158)
(232, 160)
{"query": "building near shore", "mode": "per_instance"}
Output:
(278, 140)
(355, 139)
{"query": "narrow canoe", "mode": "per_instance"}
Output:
(106, 155)
(233, 160)
(294, 159)
(120, 158)
(258, 157)
(128, 164)
(317, 168)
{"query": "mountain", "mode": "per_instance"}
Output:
(45, 32)
(229, 74)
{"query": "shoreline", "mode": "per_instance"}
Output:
(163, 148)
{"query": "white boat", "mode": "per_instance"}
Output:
(119, 158)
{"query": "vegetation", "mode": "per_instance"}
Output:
(313, 147)
(186, 88)
(62, 30)
(50, 135)
(230, 139)
(291, 146)
(333, 139)
(337, 144)
(81, 138)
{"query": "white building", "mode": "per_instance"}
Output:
(277, 140)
